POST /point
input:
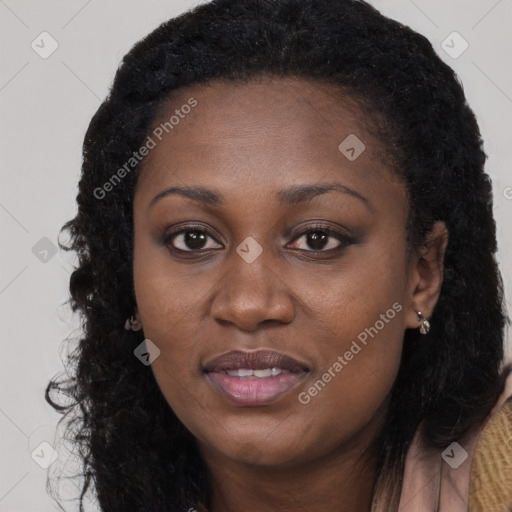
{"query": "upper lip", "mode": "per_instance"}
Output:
(258, 360)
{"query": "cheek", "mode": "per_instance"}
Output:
(167, 303)
(173, 328)
(357, 366)
(169, 315)
(356, 377)
(168, 296)
(362, 317)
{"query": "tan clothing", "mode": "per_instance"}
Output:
(472, 475)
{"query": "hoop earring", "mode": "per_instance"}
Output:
(425, 324)
(133, 324)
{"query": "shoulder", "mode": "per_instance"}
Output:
(474, 472)
(491, 470)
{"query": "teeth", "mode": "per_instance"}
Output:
(267, 372)
(257, 374)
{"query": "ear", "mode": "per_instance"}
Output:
(137, 323)
(137, 316)
(426, 275)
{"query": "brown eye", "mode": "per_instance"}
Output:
(191, 239)
(322, 239)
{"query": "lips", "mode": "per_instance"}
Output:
(255, 361)
(254, 378)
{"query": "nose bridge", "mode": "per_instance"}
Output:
(251, 293)
(250, 264)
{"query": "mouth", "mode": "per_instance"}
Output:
(254, 378)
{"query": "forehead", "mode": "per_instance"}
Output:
(263, 135)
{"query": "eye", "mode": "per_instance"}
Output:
(318, 238)
(321, 238)
(191, 239)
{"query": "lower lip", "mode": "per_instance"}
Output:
(255, 391)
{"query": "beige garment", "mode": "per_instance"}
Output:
(491, 473)
(474, 474)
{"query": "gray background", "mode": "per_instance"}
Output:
(46, 105)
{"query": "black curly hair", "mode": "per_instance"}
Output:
(134, 451)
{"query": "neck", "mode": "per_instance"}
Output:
(342, 480)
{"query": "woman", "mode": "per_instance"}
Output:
(286, 271)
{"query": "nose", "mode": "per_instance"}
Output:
(251, 294)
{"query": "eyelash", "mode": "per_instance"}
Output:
(344, 239)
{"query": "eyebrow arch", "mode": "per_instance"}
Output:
(301, 193)
(290, 196)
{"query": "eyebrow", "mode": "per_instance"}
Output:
(290, 196)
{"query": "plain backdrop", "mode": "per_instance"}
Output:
(46, 105)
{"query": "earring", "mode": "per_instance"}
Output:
(425, 324)
(133, 324)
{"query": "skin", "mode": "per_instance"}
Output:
(248, 141)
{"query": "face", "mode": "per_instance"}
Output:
(271, 269)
